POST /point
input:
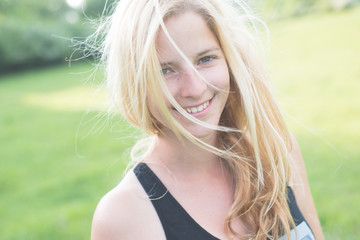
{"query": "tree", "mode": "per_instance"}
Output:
(36, 32)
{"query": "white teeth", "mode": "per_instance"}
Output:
(197, 109)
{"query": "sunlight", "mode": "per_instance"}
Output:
(82, 98)
(75, 3)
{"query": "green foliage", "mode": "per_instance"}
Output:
(31, 44)
(275, 9)
(26, 29)
(96, 8)
(36, 32)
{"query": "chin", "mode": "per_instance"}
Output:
(199, 131)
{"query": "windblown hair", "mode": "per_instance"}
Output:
(254, 141)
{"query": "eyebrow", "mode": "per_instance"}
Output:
(207, 51)
(204, 52)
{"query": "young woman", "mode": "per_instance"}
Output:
(219, 162)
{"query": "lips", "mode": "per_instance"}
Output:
(199, 108)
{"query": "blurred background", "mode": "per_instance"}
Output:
(60, 152)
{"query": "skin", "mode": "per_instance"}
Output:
(126, 212)
(184, 83)
(300, 185)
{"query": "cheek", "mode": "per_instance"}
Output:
(155, 113)
(153, 106)
(153, 109)
(219, 76)
(173, 88)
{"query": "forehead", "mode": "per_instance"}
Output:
(189, 32)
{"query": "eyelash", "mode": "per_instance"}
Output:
(210, 58)
(168, 70)
(163, 71)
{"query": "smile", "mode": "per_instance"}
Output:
(199, 108)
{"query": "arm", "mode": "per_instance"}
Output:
(126, 213)
(111, 218)
(299, 184)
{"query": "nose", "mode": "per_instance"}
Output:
(191, 84)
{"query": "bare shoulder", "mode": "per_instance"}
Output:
(298, 178)
(300, 185)
(126, 213)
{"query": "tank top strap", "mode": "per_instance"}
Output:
(179, 225)
(176, 222)
(303, 230)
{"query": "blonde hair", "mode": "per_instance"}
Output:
(254, 141)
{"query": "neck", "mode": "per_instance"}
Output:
(184, 157)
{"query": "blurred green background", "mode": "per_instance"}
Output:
(60, 153)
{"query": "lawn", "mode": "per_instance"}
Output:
(57, 158)
(60, 153)
(316, 71)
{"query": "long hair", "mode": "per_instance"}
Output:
(254, 141)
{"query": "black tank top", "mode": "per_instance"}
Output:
(179, 225)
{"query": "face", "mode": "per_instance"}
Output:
(200, 46)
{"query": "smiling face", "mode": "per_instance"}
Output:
(200, 46)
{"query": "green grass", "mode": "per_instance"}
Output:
(53, 168)
(57, 160)
(316, 72)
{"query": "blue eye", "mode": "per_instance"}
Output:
(165, 71)
(205, 59)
